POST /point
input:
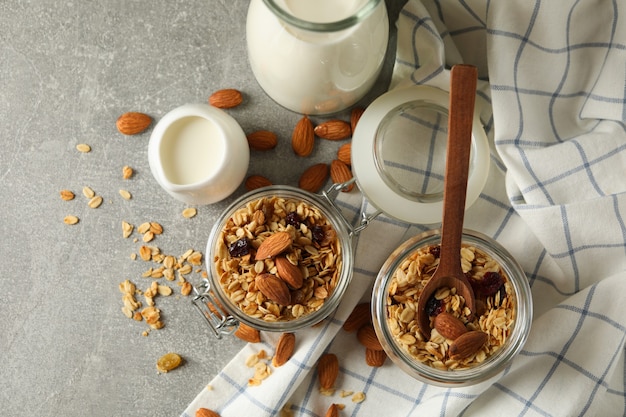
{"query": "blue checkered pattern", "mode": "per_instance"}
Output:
(552, 98)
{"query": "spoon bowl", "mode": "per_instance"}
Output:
(449, 272)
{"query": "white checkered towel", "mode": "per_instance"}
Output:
(554, 108)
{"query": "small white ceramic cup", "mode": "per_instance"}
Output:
(198, 154)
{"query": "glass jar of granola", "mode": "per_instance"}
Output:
(464, 347)
(279, 259)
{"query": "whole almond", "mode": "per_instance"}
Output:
(467, 344)
(284, 349)
(262, 140)
(303, 137)
(273, 245)
(256, 181)
(375, 358)
(247, 333)
(273, 288)
(344, 153)
(449, 326)
(340, 173)
(226, 98)
(314, 178)
(359, 317)
(327, 370)
(366, 335)
(355, 115)
(333, 411)
(205, 412)
(289, 272)
(132, 123)
(333, 130)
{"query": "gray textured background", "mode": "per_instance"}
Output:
(67, 71)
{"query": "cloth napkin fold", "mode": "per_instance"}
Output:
(554, 110)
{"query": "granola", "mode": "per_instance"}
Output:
(314, 249)
(495, 315)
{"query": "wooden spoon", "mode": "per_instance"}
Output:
(460, 117)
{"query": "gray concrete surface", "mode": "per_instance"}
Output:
(68, 69)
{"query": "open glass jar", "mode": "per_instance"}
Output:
(279, 259)
(504, 312)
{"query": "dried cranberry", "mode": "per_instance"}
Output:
(293, 219)
(488, 285)
(435, 251)
(239, 247)
(434, 306)
(318, 234)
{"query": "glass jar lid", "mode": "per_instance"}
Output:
(398, 154)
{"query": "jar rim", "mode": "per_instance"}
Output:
(334, 26)
(494, 364)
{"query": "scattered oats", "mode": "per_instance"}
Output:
(156, 228)
(137, 316)
(83, 147)
(127, 172)
(70, 220)
(341, 406)
(145, 253)
(95, 202)
(127, 229)
(209, 387)
(125, 195)
(127, 312)
(145, 333)
(164, 290)
(189, 212)
(359, 397)
(186, 269)
(143, 228)
(195, 258)
(66, 195)
(148, 236)
(133, 256)
(186, 288)
(344, 394)
(88, 192)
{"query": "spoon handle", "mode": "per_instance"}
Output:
(460, 118)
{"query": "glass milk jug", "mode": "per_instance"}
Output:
(317, 56)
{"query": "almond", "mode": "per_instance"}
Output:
(303, 138)
(359, 317)
(132, 123)
(327, 370)
(355, 115)
(289, 272)
(366, 335)
(344, 153)
(273, 245)
(262, 140)
(375, 358)
(314, 178)
(256, 181)
(205, 412)
(340, 173)
(467, 344)
(449, 326)
(226, 98)
(273, 288)
(284, 349)
(248, 334)
(333, 130)
(333, 411)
